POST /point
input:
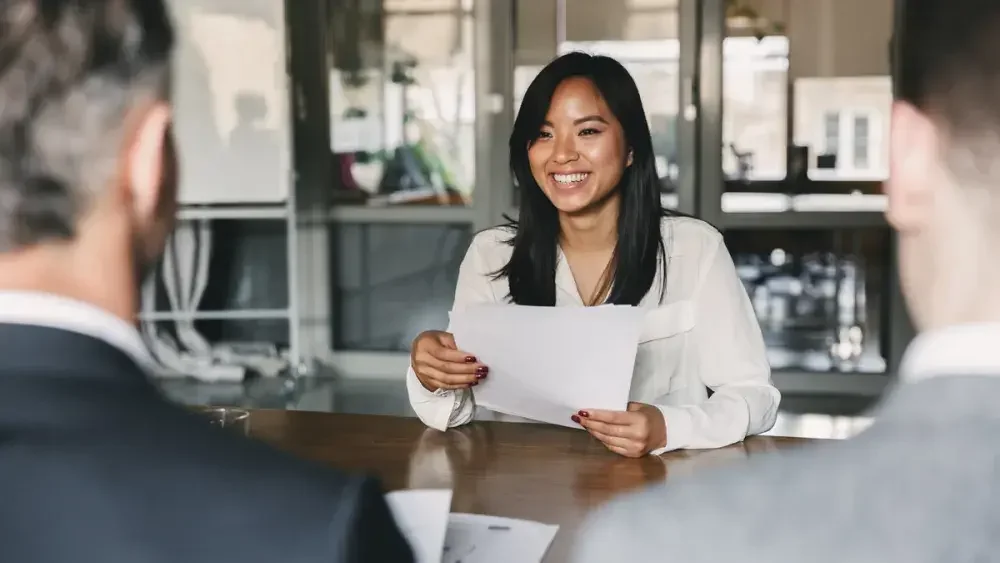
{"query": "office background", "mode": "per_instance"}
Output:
(351, 150)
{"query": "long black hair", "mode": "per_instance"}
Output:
(640, 247)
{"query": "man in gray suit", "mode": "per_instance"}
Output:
(922, 483)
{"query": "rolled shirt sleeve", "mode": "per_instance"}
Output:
(443, 409)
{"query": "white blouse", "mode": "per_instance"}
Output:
(702, 335)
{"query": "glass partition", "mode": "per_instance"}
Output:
(642, 35)
(818, 294)
(806, 96)
(402, 102)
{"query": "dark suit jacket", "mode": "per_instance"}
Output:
(95, 466)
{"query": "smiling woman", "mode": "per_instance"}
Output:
(592, 231)
(583, 155)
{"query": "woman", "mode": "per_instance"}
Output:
(592, 230)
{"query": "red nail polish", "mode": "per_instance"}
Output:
(470, 359)
(575, 419)
(482, 371)
(584, 414)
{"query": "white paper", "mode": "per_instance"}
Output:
(422, 517)
(473, 538)
(547, 363)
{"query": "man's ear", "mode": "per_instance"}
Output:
(146, 165)
(914, 167)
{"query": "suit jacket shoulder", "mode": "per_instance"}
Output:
(917, 486)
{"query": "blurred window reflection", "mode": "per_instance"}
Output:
(642, 36)
(819, 426)
(817, 295)
(394, 281)
(832, 58)
(402, 102)
(754, 118)
(845, 122)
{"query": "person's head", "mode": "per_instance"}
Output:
(87, 168)
(251, 109)
(581, 146)
(944, 177)
(581, 137)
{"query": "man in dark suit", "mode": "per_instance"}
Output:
(94, 465)
(922, 484)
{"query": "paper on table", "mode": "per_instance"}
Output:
(474, 538)
(422, 517)
(549, 362)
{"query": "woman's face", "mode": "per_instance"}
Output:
(580, 154)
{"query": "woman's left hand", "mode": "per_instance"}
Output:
(632, 433)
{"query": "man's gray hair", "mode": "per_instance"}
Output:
(70, 72)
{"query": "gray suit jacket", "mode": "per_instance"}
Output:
(922, 484)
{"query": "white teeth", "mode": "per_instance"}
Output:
(570, 178)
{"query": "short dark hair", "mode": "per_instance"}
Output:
(947, 65)
(70, 71)
(640, 253)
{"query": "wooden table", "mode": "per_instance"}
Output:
(532, 471)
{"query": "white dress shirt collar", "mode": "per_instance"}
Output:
(54, 311)
(972, 349)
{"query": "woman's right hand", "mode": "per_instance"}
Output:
(439, 364)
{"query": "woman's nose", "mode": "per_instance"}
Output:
(565, 150)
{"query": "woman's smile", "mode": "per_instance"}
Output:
(580, 153)
(569, 181)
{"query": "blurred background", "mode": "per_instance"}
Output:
(340, 154)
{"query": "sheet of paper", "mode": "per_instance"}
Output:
(422, 517)
(548, 362)
(474, 538)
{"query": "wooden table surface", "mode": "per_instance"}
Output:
(537, 472)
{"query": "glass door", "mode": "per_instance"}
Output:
(795, 108)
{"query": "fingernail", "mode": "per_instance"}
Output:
(584, 414)
(481, 371)
(575, 419)
(470, 359)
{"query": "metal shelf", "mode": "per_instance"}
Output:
(194, 213)
(808, 211)
(668, 200)
(436, 214)
(803, 220)
(245, 314)
(831, 383)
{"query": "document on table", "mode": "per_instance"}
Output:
(435, 535)
(422, 517)
(547, 363)
(473, 538)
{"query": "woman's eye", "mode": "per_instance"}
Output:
(589, 131)
(544, 135)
